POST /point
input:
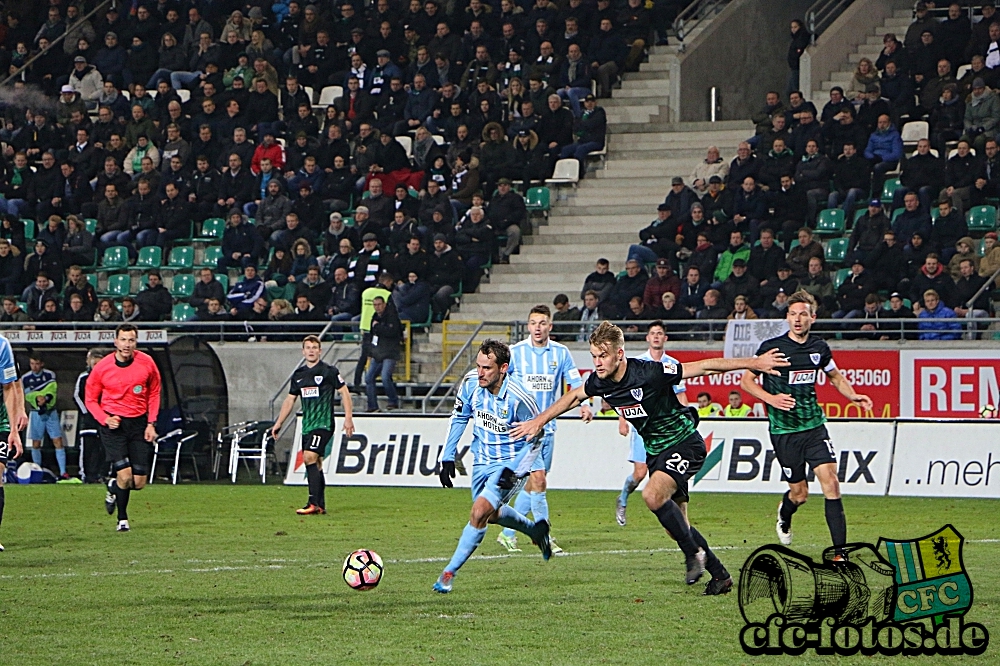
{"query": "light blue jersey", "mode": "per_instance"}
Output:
(638, 451)
(544, 371)
(493, 415)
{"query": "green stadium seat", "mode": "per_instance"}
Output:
(896, 213)
(935, 213)
(858, 214)
(836, 250)
(981, 219)
(889, 188)
(90, 224)
(831, 222)
(538, 199)
(92, 279)
(182, 286)
(29, 229)
(840, 276)
(211, 257)
(115, 259)
(150, 257)
(212, 230)
(183, 312)
(794, 244)
(981, 248)
(181, 258)
(223, 279)
(119, 286)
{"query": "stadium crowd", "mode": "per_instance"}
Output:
(146, 121)
(910, 224)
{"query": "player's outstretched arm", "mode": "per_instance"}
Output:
(841, 384)
(13, 399)
(286, 409)
(782, 401)
(530, 429)
(348, 403)
(761, 364)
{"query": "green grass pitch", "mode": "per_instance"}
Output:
(220, 574)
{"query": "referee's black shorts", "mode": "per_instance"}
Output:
(126, 445)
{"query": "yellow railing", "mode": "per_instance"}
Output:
(454, 336)
(403, 374)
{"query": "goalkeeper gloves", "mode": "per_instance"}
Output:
(447, 473)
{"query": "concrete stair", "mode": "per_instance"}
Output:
(871, 48)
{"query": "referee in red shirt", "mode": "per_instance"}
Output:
(123, 394)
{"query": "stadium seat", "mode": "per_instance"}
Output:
(954, 151)
(896, 213)
(981, 248)
(310, 93)
(90, 224)
(981, 219)
(182, 286)
(181, 258)
(566, 171)
(223, 279)
(839, 277)
(407, 143)
(889, 188)
(328, 94)
(438, 139)
(831, 222)
(115, 259)
(538, 199)
(182, 312)
(212, 230)
(92, 279)
(211, 257)
(858, 214)
(185, 95)
(935, 213)
(150, 257)
(29, 229)
(914, 131)
(836, 250)
(118, 286)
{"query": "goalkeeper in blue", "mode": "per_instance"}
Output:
(543, 366)
(496, 402)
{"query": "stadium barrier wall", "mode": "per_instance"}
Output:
(875, 457)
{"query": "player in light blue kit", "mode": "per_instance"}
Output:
(495, 402)
(656, 336)
(543, 367)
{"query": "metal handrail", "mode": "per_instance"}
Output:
(986, 285)
(55, 42)
(440, 380)
(822, 14)
(693, 15)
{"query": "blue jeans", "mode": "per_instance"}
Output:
(114, 238)
(385, 367)
(250, 209)
(580, 151)
(574, 95)
(642, 254)
(182, 79)
(12, 206)
(848, 200)
(158, 75)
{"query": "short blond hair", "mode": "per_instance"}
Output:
(608, 335)
(803, 296)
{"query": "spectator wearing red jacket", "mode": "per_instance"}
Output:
(268, 149)
(664, 279)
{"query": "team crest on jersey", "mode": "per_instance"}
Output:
(814, 358)
(670, 368)
(552, 364)
(318, 379)
(637, 393)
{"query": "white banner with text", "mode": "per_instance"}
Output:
(947, 459)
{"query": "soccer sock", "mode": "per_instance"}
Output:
(514, 520)
(712, 562)
(311, 479)
(2, 500)
(522, 504)
(122, 494)
(467, 544)
(320, 487)
(36, 456)
(672, 519)
(836, 521)
(630, 485)
(61, 459)
(539, 506)
(788, 508)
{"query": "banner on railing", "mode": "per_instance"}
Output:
(97, 336)
(743, 336)
(947, 460)
(958, 383)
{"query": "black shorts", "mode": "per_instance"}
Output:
(316, 441)
(681, 461)
(126, 445)
(4, 448)
(796, 449)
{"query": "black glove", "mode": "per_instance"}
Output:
(447, 473)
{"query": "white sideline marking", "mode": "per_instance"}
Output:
(283, 563)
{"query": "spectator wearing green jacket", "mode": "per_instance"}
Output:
(737, 250)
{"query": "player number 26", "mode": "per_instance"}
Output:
(677, 464)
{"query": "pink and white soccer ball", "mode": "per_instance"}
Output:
(363, 569)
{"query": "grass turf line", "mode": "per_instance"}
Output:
(220, 574)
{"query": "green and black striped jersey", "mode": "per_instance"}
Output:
(799, 381)
(316, 386)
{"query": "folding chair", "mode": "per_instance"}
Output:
(250, 440)
(173, 442)
(566, 171)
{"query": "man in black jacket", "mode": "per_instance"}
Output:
(765, 258)
(851, 294)
(236, 187)
(507, 211)
(888, 262)
(921, 173)
(154, 302)
(387, 337)
(315, 288)
(67, 194)
(204, 190)
(590, 130)
(345, 298)
(852, 178)
(444, 273)
(966, 286)
(205, 289)
(867, 233)
(633, 283)
(240, 243)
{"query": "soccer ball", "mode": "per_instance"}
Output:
(988, 412)
(363, 569)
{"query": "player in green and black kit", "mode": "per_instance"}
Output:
(316, 383)
(642, 392)
(798, 430)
